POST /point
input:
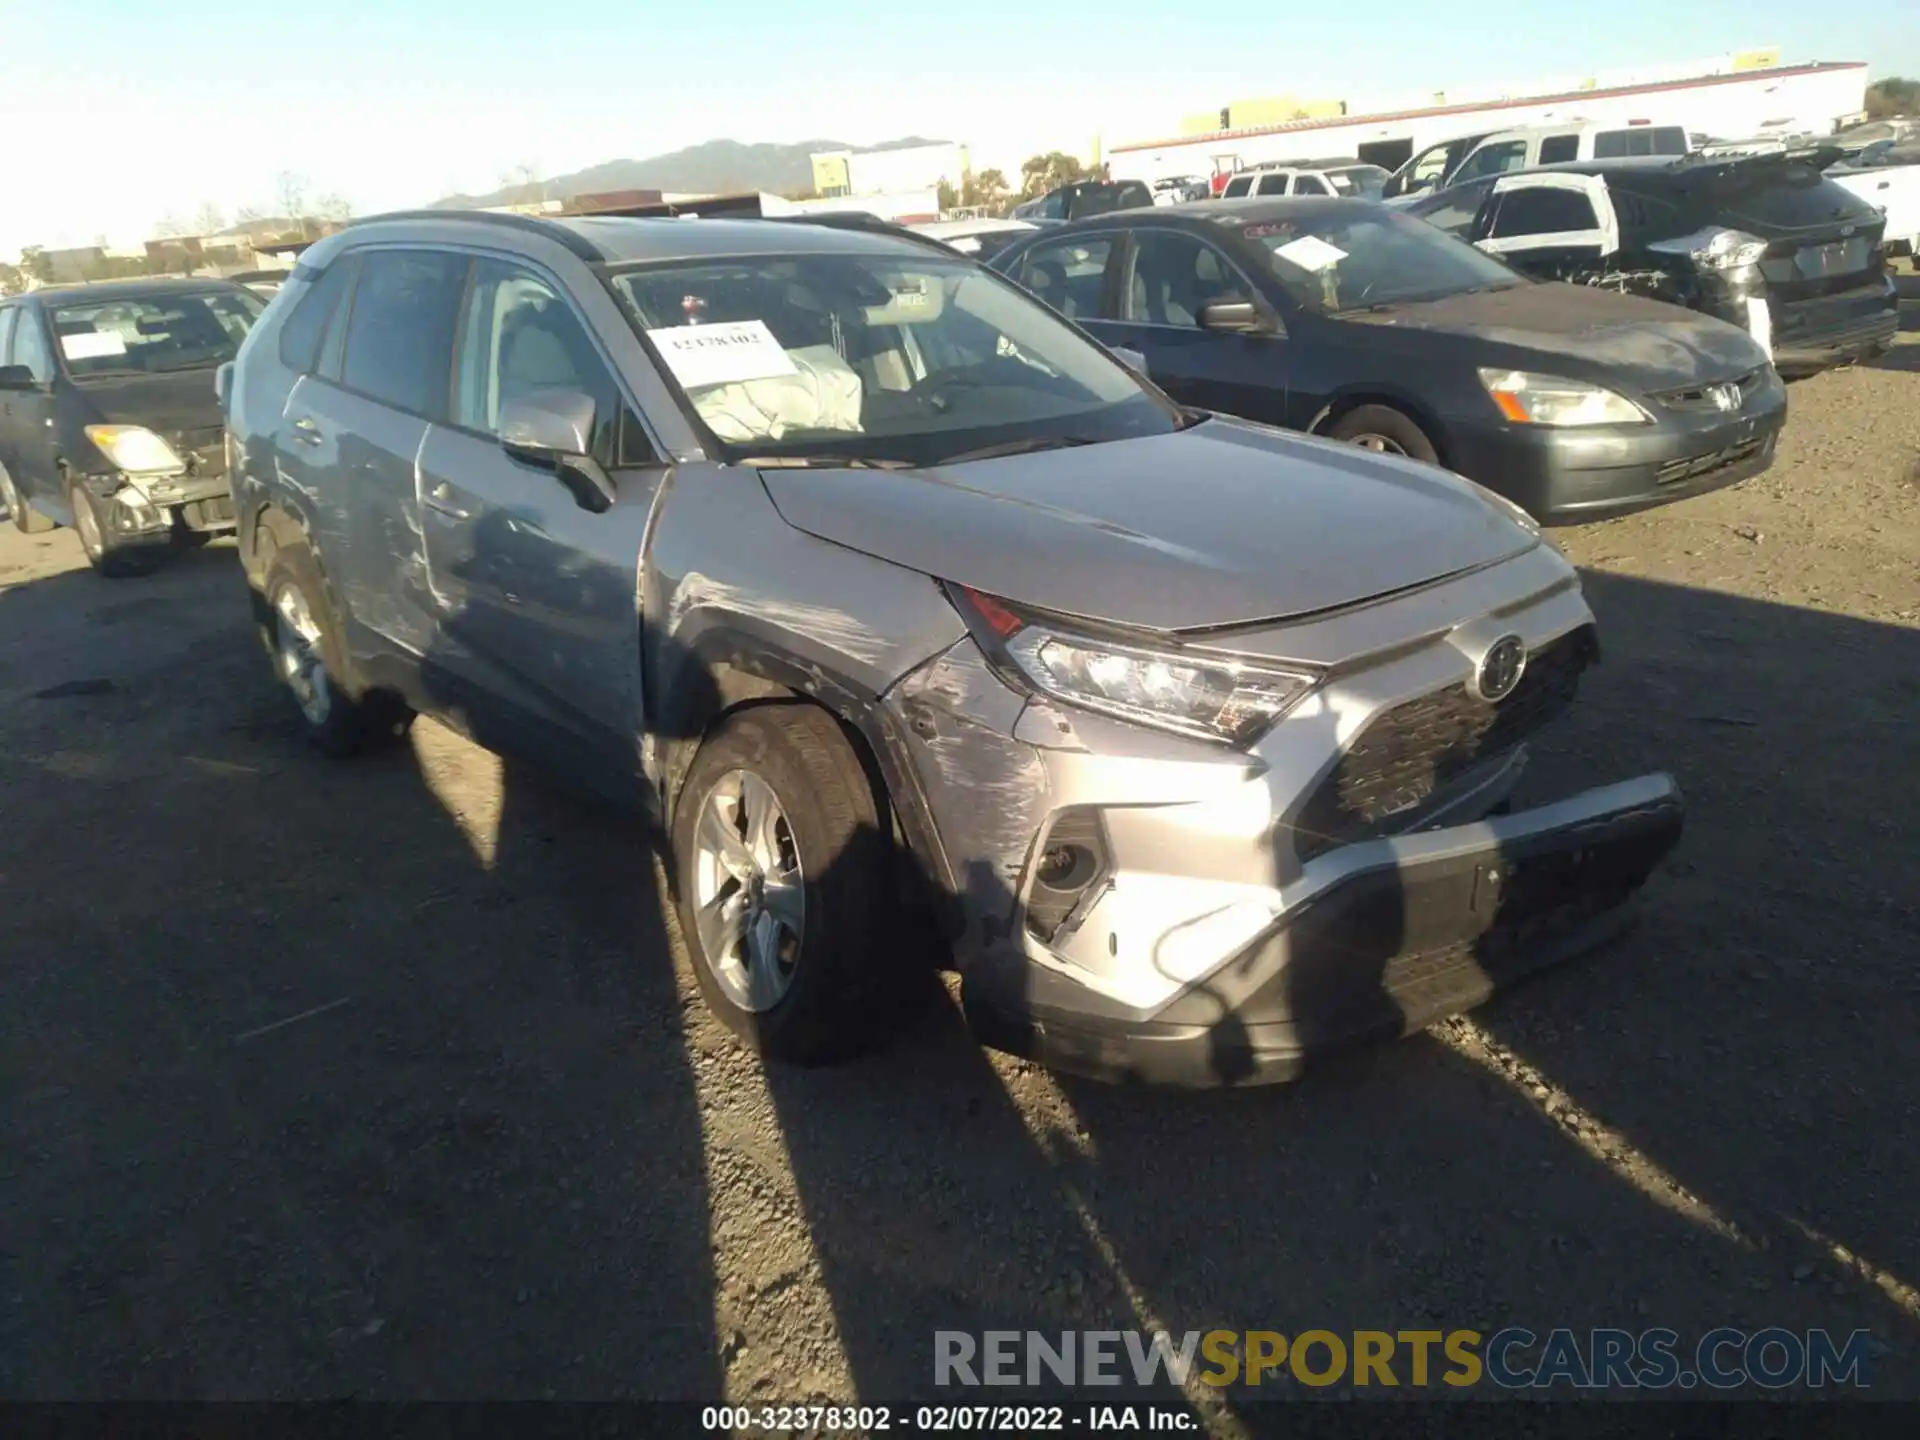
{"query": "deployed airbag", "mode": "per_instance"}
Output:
(823, 393)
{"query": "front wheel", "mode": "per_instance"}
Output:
(26, 519)
(1385, 431)
(113, 556)
(781, 863)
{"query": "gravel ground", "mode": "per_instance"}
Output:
(378, 1079)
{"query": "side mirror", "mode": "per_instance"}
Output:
(17, 377)
(1131, 358)
(223, 384)
(553, 430)
(1235, 317)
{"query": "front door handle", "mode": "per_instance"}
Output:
(440, 498)
(305, 432)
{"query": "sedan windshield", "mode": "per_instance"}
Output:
(888, 358)
(147, 334)
(1369, 257)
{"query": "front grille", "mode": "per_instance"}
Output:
(1695, 467)
(213, 513)
(204, 449)
(1699, 398)
(1409, 754)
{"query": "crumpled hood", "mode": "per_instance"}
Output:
(172, 402)
(1219, 524)
(1587, 333)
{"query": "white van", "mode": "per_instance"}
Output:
(1309, 177)
(1449, 163)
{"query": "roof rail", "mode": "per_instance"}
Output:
(530, 224)
(862, 220)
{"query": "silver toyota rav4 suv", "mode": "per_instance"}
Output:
(890, 594)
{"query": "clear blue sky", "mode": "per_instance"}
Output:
(122, 111)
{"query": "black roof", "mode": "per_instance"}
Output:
(1683, 167)
(139, 288)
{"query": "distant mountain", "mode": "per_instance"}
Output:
(715, 167)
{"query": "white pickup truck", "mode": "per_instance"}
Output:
(1895, 191)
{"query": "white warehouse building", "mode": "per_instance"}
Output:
(1732, 102)
(909, 168)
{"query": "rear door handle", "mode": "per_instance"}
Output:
(305, 432)
(440, 498)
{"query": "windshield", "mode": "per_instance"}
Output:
(1366, 256)
(148, 334)
(1368, 182)
(899, 358)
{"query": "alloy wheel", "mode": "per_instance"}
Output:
(749, 891)
(298, 656)
(1379, 444)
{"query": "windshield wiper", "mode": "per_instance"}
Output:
(821, 462)
(1019, 447)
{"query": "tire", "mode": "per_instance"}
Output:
(26, 519)
(832, 980)
(1386, 430)
(110, 556)
(303, 638)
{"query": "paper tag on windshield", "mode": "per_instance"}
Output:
(724, 354)
(1310, 253)
(92, 345)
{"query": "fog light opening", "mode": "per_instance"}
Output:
(1068, 869)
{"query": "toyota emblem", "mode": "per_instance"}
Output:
(1500, 668)
(1726, 397)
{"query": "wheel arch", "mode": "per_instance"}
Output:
(728, 671)
(1347, 401)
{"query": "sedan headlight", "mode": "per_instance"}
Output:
(135, 449)
(1527, 398)
(1204, 696)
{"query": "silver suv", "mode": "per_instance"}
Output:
(877, 583)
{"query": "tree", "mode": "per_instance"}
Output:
(949, 198)
(12, 279)
(172, 226)
(1050, 171)
(986, 189)
(1895, 95)
(290, 194)
(209, 219)
(334, 208)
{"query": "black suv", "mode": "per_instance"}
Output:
(1084, 198)
(108, 418)
(1763, 240)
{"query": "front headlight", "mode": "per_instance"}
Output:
(1527, 398)
(1203, 696)
(135, 449)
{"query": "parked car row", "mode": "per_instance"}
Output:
(1763, 240)
(886, 591)
(108, 421)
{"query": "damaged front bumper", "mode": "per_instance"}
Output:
(1136, 904)
(1392, 935)
(143, 508)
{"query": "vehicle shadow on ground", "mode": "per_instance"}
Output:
(334, 1078)
(363, 1079)
(1704, 1125)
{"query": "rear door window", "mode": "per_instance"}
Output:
(1070, 275)
(1558, 149)
(399, 343)
(1271, 185)
(1309, 185)
(1540, 210)
(1640, 140)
